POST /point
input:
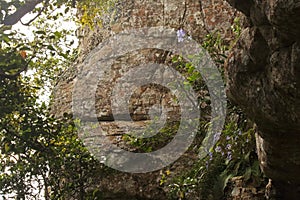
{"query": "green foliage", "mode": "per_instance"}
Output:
(233, 150)
(182, 186)
(40, 156)
(234, 154)
(92, 13)
(216, 47)
(237, 27)
(150, 144)
(193, 76)
(37, 148)
(11, 60)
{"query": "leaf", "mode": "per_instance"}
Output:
(225, 178)
(40, 32)
(247, 156)
(58, 34)
(24, 48)
(247, 174)
(67, 10)
(50, 47)
(6, 39)
(23, 54)
(6, 147)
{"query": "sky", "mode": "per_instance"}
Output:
(28, 32)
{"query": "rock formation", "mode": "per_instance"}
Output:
(263, 78)
(197, 19)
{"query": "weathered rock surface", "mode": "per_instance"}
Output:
(197, 18)
(263, 78)
(241, 191)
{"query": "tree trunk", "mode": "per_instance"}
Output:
(263, 78)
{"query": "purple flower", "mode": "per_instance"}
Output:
(240, 132)
(228, 146)
(229, 155)
(180, 35)
(210, 156)
(207, 164)
(218, 149)
(228, 137)
(217, 137)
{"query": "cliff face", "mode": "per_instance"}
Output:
(263, 78)
(197, 19)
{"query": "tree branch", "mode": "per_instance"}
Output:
(23, 10)
(12, 76)
(40, 12)
(16, 74)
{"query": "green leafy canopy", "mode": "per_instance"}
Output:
(40, 156)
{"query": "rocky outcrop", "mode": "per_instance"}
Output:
(197, 19)
(263, 74)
